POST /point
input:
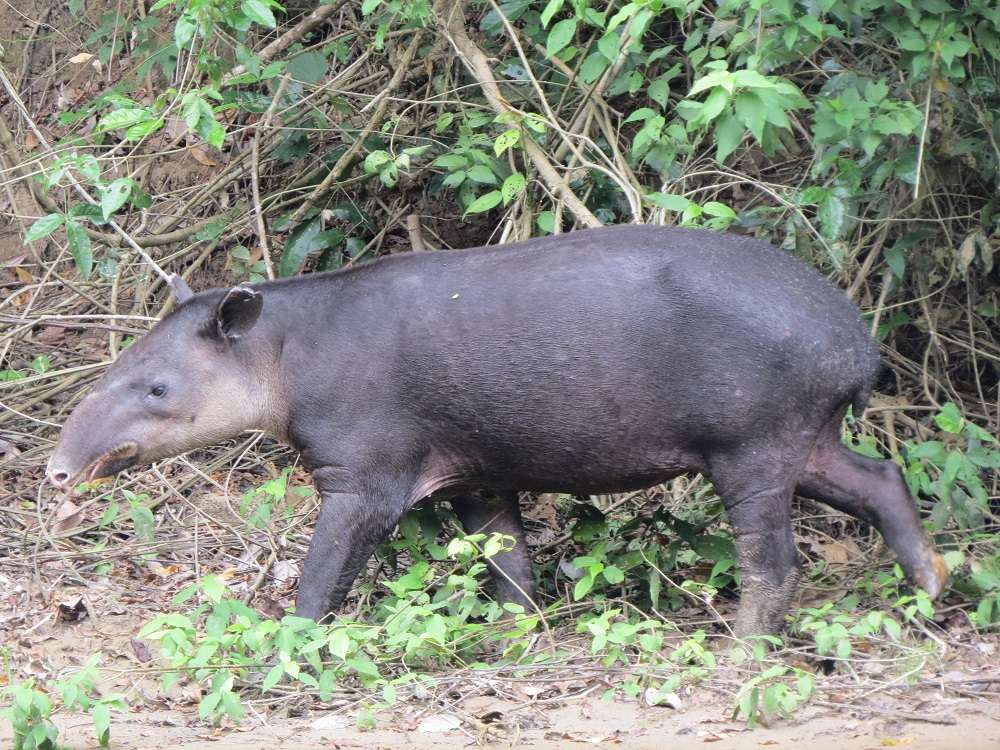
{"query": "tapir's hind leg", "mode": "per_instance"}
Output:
(874, 491)
(511, 570)
(756, 490)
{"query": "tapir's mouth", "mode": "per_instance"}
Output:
(115, 460)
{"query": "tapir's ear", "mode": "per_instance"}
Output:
(237, 312)
(180, 288)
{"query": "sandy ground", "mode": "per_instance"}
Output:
(585, 723)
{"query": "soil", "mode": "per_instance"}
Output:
(952, 704)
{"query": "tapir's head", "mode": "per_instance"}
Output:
(198, 377)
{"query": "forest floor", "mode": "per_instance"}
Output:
(950, 701)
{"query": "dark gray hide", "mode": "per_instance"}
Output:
(598, 361)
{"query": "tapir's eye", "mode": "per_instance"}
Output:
(157, 391)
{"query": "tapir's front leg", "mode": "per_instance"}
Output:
(349, 527)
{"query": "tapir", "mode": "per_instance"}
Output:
(596, 361)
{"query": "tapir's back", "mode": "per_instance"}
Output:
(566, 347)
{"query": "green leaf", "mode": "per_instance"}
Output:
(339, 643)
(43, 227)
(553, 7)
(485, 202)
(506, 140)
(512, 187)
(714, 104)
(643, 113)
(728, 134)
(613, 574)
(949, 419)
(659, 91)
(451, 161)
(101, 714)
(714, 208)
(273, 677)
(593, 67)
(122, 118)
(483, 174)
(560, 35)
(208, 704)
(668, 201)
(114, 196)
(300, 243)
(258, 11)
(582, 588)
(184, 30)
(375, 160)
(309, 67)
(369, 6)
(216, 134)
(608, 46)
(832, 215)
(79, 248)
(752, 112)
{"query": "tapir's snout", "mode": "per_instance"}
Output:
(63, 472)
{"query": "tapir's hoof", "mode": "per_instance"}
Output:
(933, 576)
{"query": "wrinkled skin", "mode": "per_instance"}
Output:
(598, 361)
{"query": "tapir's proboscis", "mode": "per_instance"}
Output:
(599, 361)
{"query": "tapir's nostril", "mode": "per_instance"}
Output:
(59, 478)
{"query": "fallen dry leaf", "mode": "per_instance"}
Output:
(68, 516)
(81, 58)
(30, 141)
(203, 156)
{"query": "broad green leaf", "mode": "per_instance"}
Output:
(114, 196)
(949, 419)
(451, 161)
(512, 187)
(714, 208)
(184, 30)
(643, 113)
(668, 201)
(258, 11)
(191, 110)
(79, 248)
(613, 574)
(485, 202)
(832, 215)
(659, 91)
(553, 7)
(369, 6)
(273, 677)
(560, 35)
(593, 67)
(43, 227)
(752, 112)
(608, 46)
(483, 174)
(375, 160)
(506, 140)
(300, 243)
(728, 134)
(216, 134)
(123, 118)
(339, 643)
(714, 104)
(309, 67)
